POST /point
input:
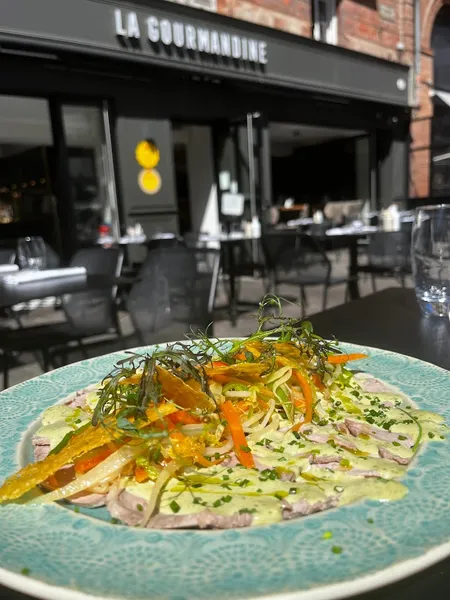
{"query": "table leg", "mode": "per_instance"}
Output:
(353, 286)
(232, 309)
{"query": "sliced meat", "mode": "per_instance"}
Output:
(318, 459)
(341, 427)
(201, 520)
(89, 500)
(400, 460)
(303, 508)
(364, 473)
(356, 428)
(41, 447)
(318, 438)
(78, 400)
(372, 385)
(129, 508)
(288, 476)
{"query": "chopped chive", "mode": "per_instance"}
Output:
(370, 520)
(139, 507)
(25, 571)
(175, 507)
(114, 521)
(327, 535)
(336, 550)
(430, 435)
(76, 509)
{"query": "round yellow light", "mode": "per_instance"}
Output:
(147, 154)
(150, 181)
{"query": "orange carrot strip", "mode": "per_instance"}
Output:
(182, 417)
(317, 381)
(219, 363)
(201, 460)
(92, 460)
(307, 394)
(337, 359)
(237, 433)
(140, 474)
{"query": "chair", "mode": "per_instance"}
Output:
(298, 259)
(388, 255)
(174, 294)
(7, 256)
(87, 313)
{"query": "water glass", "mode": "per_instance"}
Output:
(430, 254)
(31, 253)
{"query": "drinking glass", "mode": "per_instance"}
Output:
(31, 253)
(430, 254)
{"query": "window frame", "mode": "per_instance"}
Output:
(331, 36)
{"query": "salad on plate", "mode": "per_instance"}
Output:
(211, 433)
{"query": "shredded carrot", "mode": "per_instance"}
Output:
(244, 456)
(182, 417)
(317, 381)
(337, 359)
(91, 460)
(307, 394)
(219, 363)
(201, 460)
(140, 474)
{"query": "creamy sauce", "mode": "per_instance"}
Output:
(58, 421)
(319, 464)
(352, 467)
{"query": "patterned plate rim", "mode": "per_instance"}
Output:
(343, 589)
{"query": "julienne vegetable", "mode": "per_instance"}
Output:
(228, 433)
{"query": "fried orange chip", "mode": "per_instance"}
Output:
(85, 441)
(183, 395)
(35, 473)
(242, 370)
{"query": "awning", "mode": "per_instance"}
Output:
(444, 96)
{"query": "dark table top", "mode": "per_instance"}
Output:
(391, 320)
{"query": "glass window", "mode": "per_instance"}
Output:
(325, 21)
(91, 170)
(27, 206)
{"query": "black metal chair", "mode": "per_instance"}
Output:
(7, 256)
(174, 294)
(388, 255)
(298, 259)
(87, 314)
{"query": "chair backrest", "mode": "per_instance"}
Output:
(390, 249)
(52, 258)
(94, 312)
(7, 256)
(294, 257)
(174, 293)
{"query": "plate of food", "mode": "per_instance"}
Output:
(279, 465)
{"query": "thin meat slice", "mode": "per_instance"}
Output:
(356, 428)
(318, 459)
(201, 520)
(129, 508)
(41, 447)
(303, 507)
(400, 460)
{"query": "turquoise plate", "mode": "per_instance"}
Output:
(70, 555)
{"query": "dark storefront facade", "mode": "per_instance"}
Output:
(84, 83)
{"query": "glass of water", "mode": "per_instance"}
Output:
(430, 253)
(31, 253)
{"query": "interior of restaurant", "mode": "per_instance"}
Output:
(313, 164)
(28, 170)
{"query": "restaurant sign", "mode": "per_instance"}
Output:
(189, 38)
